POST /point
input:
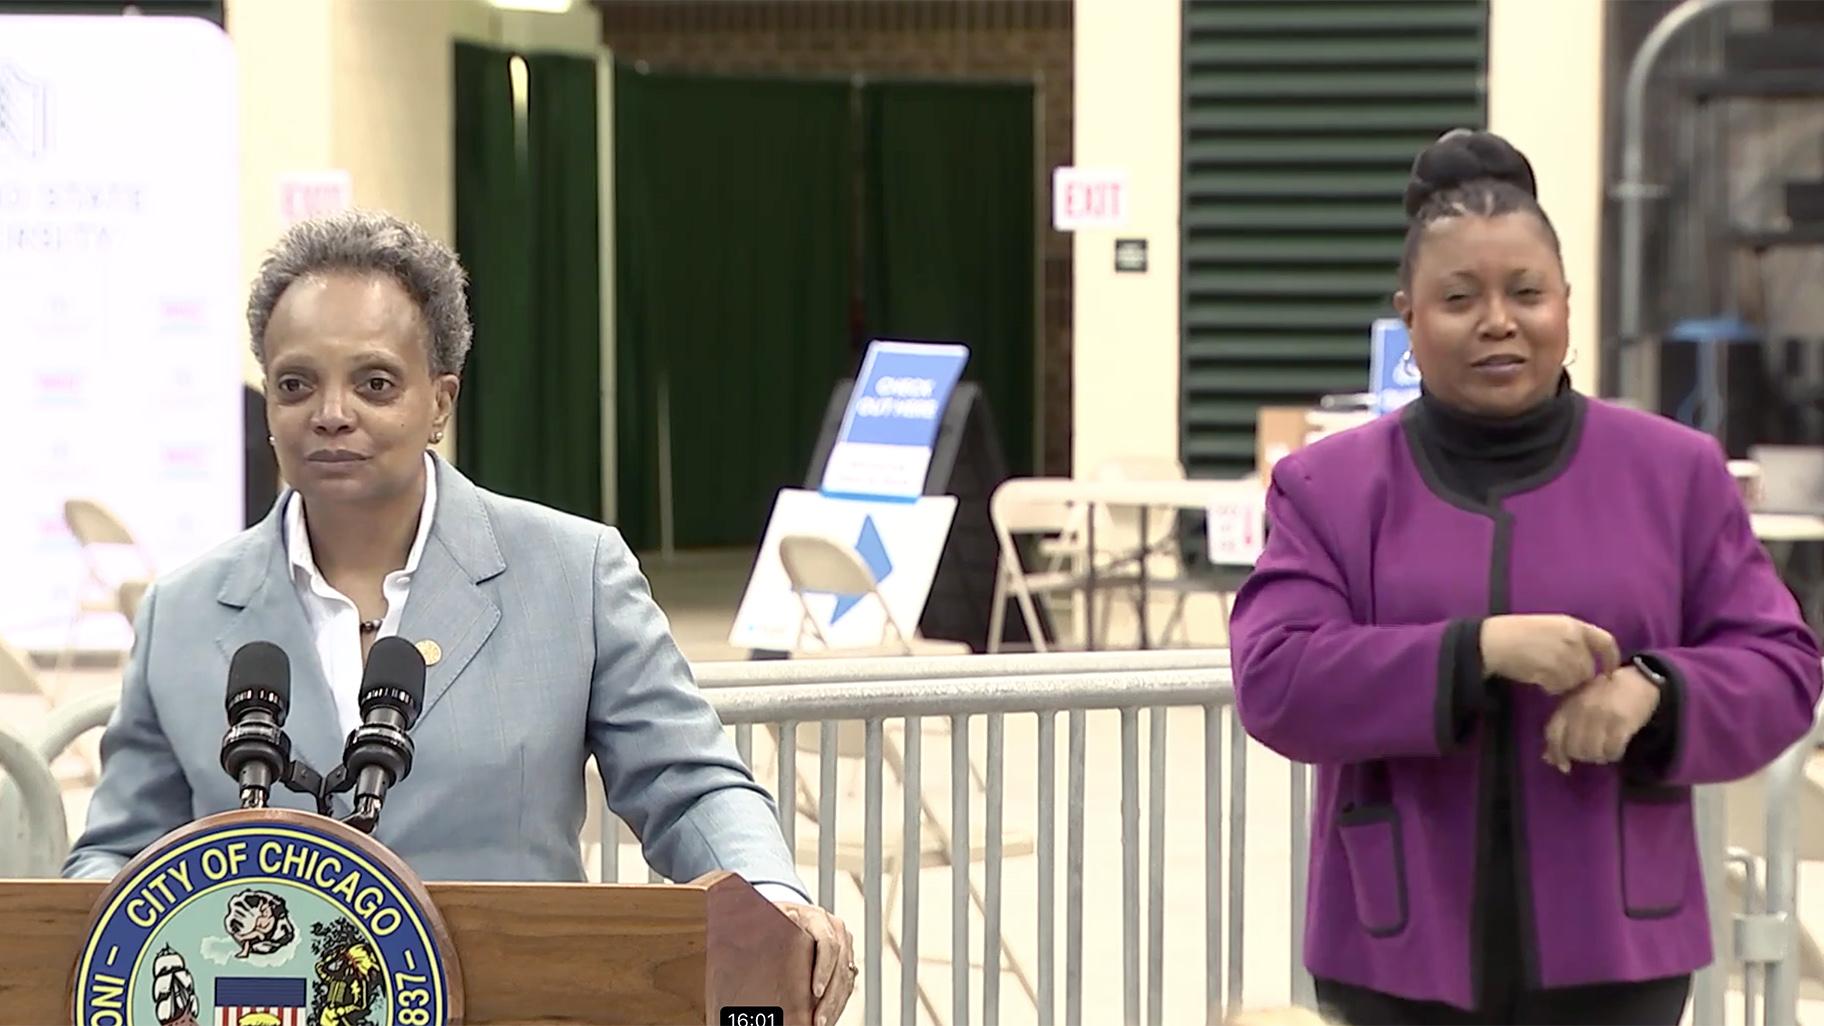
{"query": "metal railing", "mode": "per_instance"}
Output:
(34, 835)
(953, 667)
(882, 711)
(834, 695)
(1763, 931)
(1765, 935)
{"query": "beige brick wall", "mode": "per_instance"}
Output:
(935, 39)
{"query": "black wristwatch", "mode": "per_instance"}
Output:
(1649, 669)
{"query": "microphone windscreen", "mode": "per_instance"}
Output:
(261, 666)
(394, 663)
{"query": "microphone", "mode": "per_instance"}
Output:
(379, 752)
(255, 750)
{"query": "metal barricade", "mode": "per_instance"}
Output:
(1017, 686)
(33, 831)
(1763, 931)
(959, 695)
(950, 692)
(952, 667)
(34, 835)
(1765, 934)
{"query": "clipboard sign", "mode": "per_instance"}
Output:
(883, 448)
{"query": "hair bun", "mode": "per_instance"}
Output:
(1461, 156)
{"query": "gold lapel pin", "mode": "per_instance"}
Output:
(431, 652)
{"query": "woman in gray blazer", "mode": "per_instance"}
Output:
(544, 644)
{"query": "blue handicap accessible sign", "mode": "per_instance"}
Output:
(1393, 377)
(883, 448)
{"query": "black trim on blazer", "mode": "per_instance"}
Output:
(1654, 794)
(1469, 694)
(1444, 705)
(1369, 815)
(1492, 721)
(1642, 794)
(1653, 751)
(1498, 723)
(1529, 928)
(1500, 586)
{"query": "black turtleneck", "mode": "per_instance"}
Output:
(1474, 454)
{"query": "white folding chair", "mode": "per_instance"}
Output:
(1154, 536)
(1125, 540)
(1242, 499)
(129, 595)
(816, 565)
(1045, 508)
(100, 533)
(17, 676)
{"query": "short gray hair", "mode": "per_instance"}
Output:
(376, 242)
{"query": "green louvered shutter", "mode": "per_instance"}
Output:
(1301, 119)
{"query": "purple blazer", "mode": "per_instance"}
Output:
(1341, 661)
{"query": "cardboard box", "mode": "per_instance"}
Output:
(1278, 432)
(1323, 423)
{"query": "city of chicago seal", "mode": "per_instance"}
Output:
(263, 921)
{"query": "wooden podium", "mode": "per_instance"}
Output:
(527, 953)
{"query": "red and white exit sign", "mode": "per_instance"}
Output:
(1088, 198)
(313, 194)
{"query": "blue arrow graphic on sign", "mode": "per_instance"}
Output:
(873, 552)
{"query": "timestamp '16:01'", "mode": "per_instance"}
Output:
(752, 1015)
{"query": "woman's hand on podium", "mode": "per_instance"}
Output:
(833, 971)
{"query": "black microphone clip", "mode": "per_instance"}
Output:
(302, 779)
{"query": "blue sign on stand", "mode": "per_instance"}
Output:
(1393, 376)
(884, 446)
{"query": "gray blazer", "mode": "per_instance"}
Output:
(553, 650)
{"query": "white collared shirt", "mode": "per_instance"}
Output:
(335, 623)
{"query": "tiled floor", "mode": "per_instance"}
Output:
(699, 592)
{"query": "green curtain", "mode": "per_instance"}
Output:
(528, 422)
(732, 252)
(951, 245)
(566, 284)
(494, 236)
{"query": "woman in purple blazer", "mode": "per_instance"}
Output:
(1512, 627)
